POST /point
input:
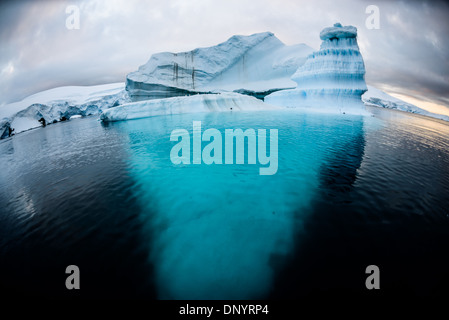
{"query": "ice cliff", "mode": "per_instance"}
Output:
(332, 79)
(60, 104)
(257, 64)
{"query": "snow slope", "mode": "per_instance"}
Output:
(332, 79)
(378, 98)
(223, 102)
(259, 62)
(58, 103)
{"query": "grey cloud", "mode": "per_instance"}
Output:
(409, 52)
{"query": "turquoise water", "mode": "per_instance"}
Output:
(220, 231)
(349, 192)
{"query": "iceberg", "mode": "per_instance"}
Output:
(223, 102)
(332, 79)
(377, 98)
(257, 64)
(60, 104)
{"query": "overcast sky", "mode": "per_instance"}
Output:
(408, 55)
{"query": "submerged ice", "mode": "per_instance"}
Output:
(212, 153)
(224, 231)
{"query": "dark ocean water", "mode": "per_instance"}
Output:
(349, 192)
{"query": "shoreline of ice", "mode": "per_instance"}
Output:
(221, 102)
(373, 97)
(329, 80)
(59, 104)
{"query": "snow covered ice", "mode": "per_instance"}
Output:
(378, 98)
(255, 63)
(338, 32)
(260, 65)
(58, 103)
(223, 102)
(332, 79)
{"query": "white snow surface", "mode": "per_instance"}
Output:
(222, 102)
(338, 31)
(378, 98)
(258, 62)
(71, 94)
(54, 104)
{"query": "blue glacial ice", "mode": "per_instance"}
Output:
(332, 78)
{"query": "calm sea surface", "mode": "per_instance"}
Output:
(349, 192)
